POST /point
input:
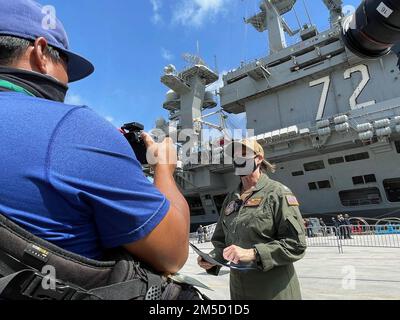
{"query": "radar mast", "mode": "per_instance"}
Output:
(270, 18)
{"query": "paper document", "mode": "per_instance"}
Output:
(209, 259)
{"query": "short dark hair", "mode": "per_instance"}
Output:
(12, 48)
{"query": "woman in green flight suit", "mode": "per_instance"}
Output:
(260, 224)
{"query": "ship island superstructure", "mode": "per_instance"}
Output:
(328, 119)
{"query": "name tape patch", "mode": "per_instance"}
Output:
(253, 202)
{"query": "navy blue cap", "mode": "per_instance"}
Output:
(26, 19)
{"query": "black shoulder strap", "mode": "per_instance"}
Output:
(20, 279)
(28, 285)
(7, 282)
(128, 290)
(9, 265)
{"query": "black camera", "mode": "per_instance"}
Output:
(132, 132)
(374, 29)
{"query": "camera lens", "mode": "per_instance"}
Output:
(373, 29)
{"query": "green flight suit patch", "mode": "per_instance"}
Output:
(292, 201)
(230, 208)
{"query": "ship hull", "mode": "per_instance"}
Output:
(366, 184)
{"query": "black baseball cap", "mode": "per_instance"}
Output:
(29, 20)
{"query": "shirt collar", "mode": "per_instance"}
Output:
(262, 182)
(39, 85)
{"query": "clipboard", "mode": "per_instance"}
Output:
(209, 259)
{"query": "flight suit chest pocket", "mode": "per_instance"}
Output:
(228, 222)
(259, 220)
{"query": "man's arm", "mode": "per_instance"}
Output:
(97, 172)
(166, 248)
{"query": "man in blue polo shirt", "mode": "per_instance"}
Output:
(67, 175)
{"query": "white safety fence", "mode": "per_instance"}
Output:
(206, 236)
(323, 237)
(384, 236)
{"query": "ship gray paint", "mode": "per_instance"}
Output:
(298, 122)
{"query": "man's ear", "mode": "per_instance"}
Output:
(39, 55)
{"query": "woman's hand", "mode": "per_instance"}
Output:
(204, 264)
(236, 254)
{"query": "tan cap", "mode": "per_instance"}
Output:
(254, 146)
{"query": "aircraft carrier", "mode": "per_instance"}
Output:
(329, 119)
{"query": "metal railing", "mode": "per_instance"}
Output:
(206, 236)
(377, 236)
(323, 237)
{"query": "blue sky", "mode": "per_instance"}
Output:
(131, 41)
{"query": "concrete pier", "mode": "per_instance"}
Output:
(324, 274)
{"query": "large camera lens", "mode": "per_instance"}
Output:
(373, 29)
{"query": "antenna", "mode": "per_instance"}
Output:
(216, 63)
(270, 18)
(193, 59)
(308, 13)
(335, 10)
(297, 17)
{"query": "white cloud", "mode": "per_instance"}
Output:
(166, 54)
(116, 123)
(74, 99)
(195, 12)
(78, 100)
(156, 4)
(110, 119)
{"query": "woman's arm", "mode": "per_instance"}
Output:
(290, 244)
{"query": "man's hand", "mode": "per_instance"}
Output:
(236, 254)
(166, 248)
(161, 154)
(204, 264)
